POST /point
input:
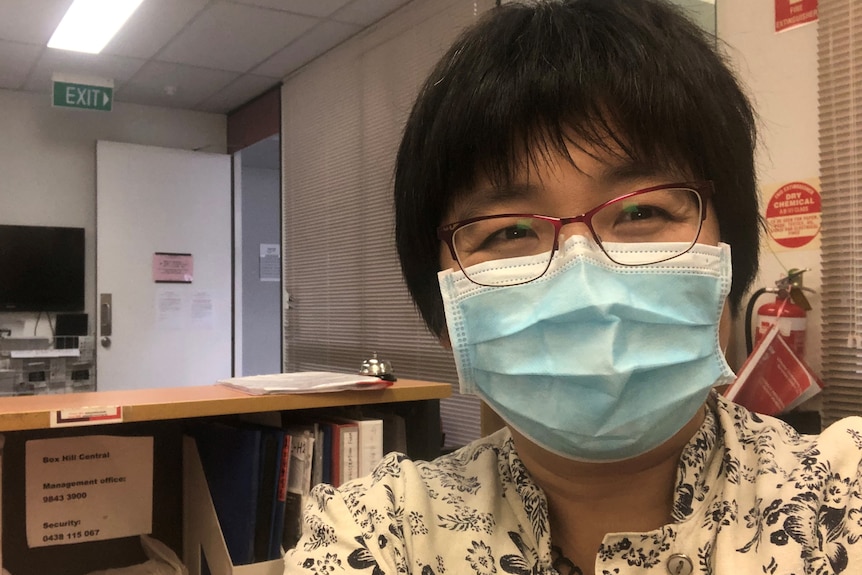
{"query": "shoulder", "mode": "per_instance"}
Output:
(764, 459)
(744, 431)
(412, 516)
(801, 494)
(473, 469)
(844, 437)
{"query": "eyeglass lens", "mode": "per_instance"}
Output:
(663, 215)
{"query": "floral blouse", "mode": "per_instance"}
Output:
(752, 497)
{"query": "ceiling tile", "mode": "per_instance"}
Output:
(319, 8)
(367, 12)
(16, 63)
(53, 61)
(234, 37)
(215, 52)
(237, 93)
(190, 85)
(31, 21)
(153, 25)
(324, 36)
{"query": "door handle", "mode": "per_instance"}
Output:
(105, 314)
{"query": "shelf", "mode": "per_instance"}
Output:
(34, 411)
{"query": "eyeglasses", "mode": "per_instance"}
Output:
(672, 213)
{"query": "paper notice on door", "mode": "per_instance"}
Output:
(88, 489)
(270, 263)
(170, 309)
(202, 310)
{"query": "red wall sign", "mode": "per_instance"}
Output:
(173, 268)
(793, 214)
(793, 13)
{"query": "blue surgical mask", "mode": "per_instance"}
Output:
(594, 361)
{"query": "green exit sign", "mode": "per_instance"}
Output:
(83, 96)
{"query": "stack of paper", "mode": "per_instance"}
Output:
(304, 382)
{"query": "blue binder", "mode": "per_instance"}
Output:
(230, 457)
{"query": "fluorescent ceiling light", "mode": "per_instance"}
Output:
(90, 24)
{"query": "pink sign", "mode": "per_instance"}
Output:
(173, 268)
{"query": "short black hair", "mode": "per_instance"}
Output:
(529, 78)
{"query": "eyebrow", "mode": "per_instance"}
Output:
(629, 171)
(477, 201)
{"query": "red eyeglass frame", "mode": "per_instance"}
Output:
(704, 189)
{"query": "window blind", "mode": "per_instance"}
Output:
(342, 118)
(840, 111)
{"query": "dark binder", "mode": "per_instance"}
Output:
(271, 451)
(230, 456)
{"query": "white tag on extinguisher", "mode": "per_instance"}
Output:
(790, 319)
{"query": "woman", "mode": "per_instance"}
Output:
(569, 188)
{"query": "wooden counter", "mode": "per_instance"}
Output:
(34, 411)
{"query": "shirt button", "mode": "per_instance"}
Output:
(679, 564)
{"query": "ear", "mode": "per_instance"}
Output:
(725, 323)
(444, 340)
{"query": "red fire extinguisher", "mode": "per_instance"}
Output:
(788, 310)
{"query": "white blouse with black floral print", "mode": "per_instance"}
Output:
(752, 497)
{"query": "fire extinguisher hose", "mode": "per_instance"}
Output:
(749, 311)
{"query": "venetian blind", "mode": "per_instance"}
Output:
(840, 112)
(342, 118)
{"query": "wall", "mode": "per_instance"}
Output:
(780, 72)
(48, 164)
(261, 301)
(701, 11)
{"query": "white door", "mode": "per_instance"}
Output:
(163, 267)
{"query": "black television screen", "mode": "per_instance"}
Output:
(41, 268)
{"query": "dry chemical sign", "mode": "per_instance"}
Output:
(793, 215)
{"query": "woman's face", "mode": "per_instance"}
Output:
(560, 188)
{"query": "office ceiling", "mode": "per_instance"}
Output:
(205, 55)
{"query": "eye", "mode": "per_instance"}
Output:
(667, 214)
(640, 212)
(502, 237)
(519, 231)
(637, 222)
(505, 237)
